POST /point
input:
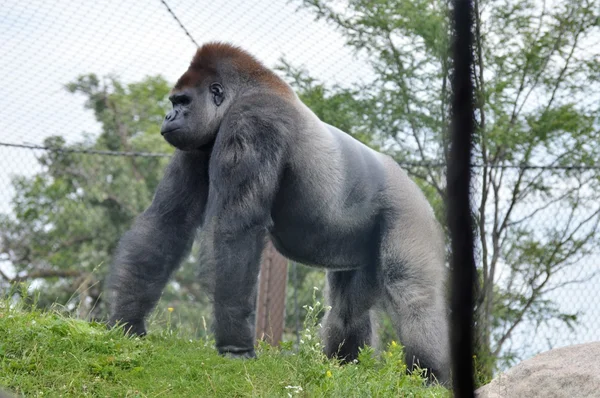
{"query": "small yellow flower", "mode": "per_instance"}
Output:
(394, 344)
(328, 373)
(170, 309)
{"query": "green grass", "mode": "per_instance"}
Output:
(48, 354)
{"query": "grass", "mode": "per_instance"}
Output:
(49, 354)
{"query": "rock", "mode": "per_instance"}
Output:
(572, 372)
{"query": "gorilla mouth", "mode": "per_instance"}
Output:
(170, 131)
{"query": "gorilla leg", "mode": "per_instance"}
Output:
(348, 325)
(415, 304)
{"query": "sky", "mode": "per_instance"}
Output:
(45, 44)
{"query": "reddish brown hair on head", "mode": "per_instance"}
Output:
(207, 59)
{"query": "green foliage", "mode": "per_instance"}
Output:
(50, 354)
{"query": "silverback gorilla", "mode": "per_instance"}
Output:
(252, 162)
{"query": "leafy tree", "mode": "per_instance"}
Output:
(538, 103)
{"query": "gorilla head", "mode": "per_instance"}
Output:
(197, 110)
(203, 95)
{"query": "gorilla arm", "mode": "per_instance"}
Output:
(245, 169)
(159, 239)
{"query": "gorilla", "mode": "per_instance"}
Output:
(253, 162)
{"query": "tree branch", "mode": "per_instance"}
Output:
(414, 128)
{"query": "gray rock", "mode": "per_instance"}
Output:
(572, 372)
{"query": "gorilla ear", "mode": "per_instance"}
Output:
(218, 94)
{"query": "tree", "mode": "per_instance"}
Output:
(68, 218)
(538, 104)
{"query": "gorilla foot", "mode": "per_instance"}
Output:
(237, 353)
(130, 328)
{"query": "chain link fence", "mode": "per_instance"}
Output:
(51, 218)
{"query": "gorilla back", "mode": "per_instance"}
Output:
(253, 161)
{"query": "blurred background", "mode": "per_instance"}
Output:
(84, 87)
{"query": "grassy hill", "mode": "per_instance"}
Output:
(48, 354)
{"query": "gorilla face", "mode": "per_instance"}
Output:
(196, 116)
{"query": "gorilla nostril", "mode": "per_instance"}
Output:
(170, 116)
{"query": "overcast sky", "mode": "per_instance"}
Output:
(45, 44)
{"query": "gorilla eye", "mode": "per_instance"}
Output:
(217, 91)
(180, 99)
(185, 100)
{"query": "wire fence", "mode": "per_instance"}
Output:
(63, 204)
(522, 166)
